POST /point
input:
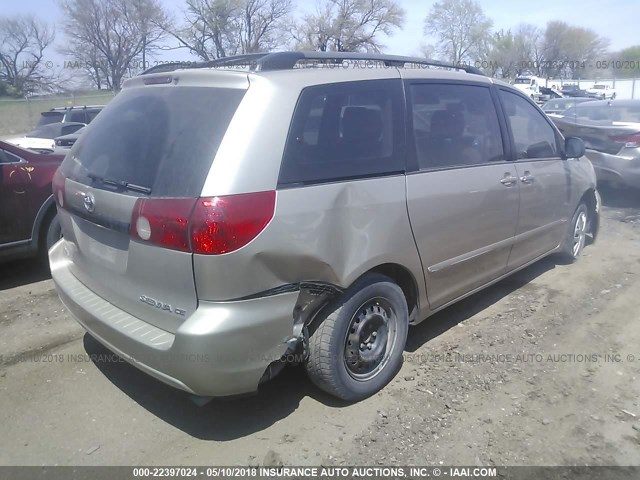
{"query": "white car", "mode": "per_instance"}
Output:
(529, 85)
(33, 143)
(43, 137)
(601, 92)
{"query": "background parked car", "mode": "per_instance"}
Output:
(573, 90)
(42, 138)
(28, 221)
(559, 105)
(82, 114)
(611, 133)
(64, 142)
(549, 93)
(601, 92)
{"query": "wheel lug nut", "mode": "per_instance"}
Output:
(362, 345)
(374, 334)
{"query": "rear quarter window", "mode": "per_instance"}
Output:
(345, 131)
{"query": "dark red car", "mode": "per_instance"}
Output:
(28, 223)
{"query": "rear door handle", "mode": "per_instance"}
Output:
(508, 180)
(527, 178)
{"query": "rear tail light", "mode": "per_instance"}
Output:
(224, 224)
(163, 222)
(209, 226)
(57, 186)
(630, 141)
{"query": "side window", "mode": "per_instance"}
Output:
(454, 125)
(345, 131)
(77, 117)
(9, 158)
(532, 134)
(91, 115)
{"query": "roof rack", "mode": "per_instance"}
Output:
(289, 60)
(74, 107)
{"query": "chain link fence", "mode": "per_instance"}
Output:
(20, 115)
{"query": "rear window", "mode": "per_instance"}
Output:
(162, 138)
(50, 117)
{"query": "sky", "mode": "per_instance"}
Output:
(614, 19)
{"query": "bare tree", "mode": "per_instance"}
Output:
(107, 36)
(568, 51)
(210, 28)
(219, 28)
(460, 27)
(512, 53)
(530, 50)
(261, 26)
(23, 41)
(348, 25)
(626, 63)
(500, 54)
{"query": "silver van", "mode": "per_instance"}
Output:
(225, 219)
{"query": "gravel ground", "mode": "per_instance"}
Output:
(540, 369)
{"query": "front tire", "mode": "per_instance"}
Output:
(357, 347)
(576, 237)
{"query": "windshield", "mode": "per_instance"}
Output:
(522, 81)
(598, 87)
(160, 138)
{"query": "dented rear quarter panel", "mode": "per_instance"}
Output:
(331, 233)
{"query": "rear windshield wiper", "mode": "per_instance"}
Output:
(120, 184)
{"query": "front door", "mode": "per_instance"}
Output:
(543, 178)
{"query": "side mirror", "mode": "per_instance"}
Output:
(573, 147)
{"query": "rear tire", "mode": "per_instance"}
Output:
(357, 347)
(51, 234)
(576, 237)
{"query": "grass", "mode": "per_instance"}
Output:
(17, 116)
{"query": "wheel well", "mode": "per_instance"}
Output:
(403, 277)
(589, 199)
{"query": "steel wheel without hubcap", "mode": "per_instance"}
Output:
(355, 347)
(579, 234)
(370, 339)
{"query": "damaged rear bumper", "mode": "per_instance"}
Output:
(222, 349)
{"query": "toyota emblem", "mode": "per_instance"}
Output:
(89, 202)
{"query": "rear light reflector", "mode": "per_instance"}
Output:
(57, 186)
(208, 226)
(630, 141)
(163, 222)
